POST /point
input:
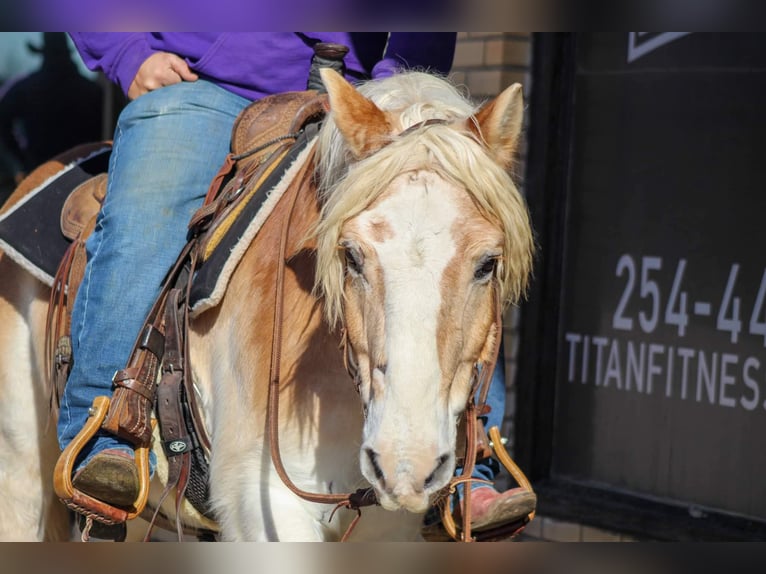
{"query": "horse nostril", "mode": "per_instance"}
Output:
(373, 456)
(439, 464)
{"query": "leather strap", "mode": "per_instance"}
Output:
(58, 344)
(195, 410)
(128, 378)
(489, 367)
(476, 407)
(58, 365)
(355, 500)
(175, 439)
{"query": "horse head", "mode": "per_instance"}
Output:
(422, 236)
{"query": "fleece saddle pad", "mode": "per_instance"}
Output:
(233, 236)
(30, 231)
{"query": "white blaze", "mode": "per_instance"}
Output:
(416, 428)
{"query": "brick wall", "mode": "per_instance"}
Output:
(551, 530)
(488, 62)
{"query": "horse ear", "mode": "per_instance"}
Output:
(363, 125)
(499, 124)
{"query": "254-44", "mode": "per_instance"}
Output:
(640, 280)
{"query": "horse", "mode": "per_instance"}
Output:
(411, 240)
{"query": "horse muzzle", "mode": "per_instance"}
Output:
(406, 482)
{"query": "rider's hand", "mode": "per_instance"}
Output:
(158, 70)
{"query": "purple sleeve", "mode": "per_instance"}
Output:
(420, 50)
(118, 54)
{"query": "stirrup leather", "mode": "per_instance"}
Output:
(79, 501)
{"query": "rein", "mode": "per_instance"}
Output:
(355, 500)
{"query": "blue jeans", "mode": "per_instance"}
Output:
(168, 146)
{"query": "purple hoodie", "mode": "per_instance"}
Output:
(256, 64)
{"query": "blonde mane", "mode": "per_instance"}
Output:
(348, 187)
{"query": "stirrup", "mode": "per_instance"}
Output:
(505, 530)
(79, 501)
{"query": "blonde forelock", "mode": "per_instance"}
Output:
(348, 188)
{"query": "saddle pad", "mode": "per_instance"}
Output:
(30, 231)
(212, 277)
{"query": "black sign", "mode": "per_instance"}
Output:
(660, 378)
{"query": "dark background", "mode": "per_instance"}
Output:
(662, 156)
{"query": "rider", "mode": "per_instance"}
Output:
(186, 90)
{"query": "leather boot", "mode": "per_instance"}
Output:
(491, 509)
(110, 476)
(497, 515)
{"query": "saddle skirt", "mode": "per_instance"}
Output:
(38, 222)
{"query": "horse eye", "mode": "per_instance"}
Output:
(486, 269)
(354, 260)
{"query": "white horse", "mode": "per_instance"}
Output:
(413, 233)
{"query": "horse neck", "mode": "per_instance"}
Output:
(241, 329)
